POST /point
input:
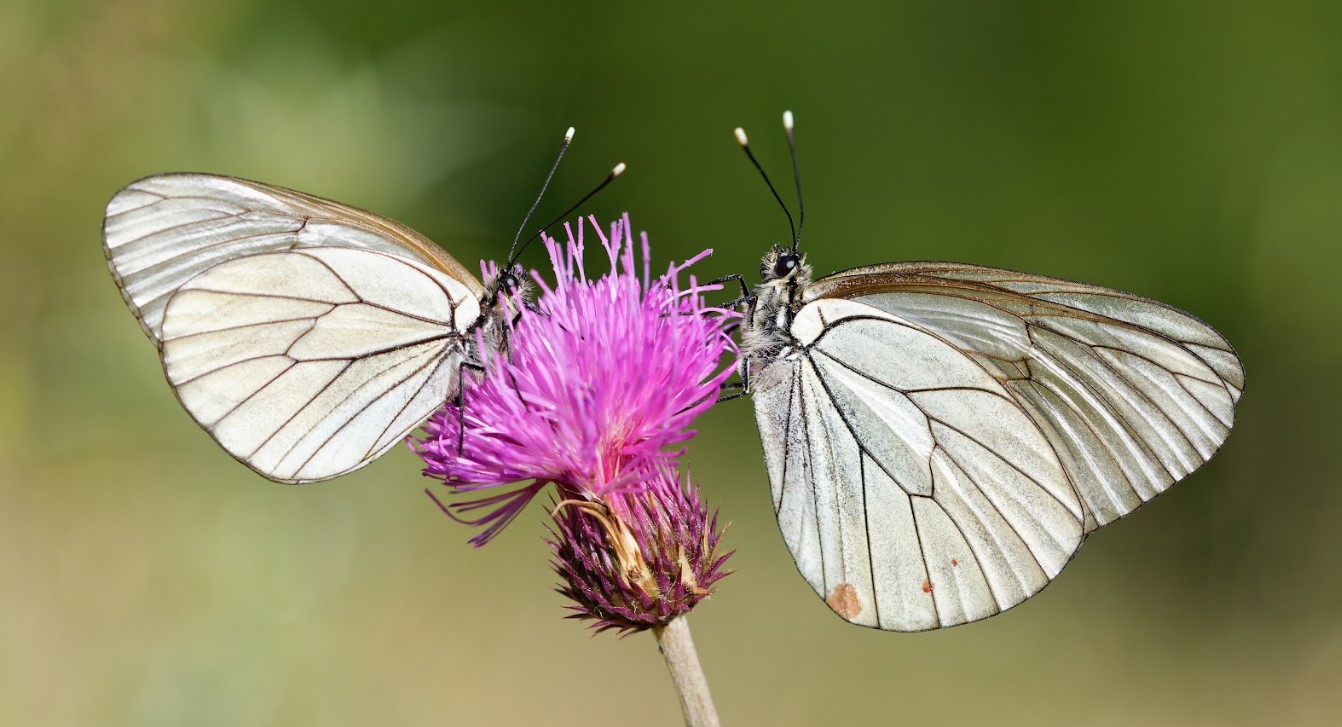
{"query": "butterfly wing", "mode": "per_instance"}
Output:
(1132, 394)
(161, 231)
(309, 364)
(912, 489)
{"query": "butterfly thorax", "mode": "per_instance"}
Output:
(777, 299)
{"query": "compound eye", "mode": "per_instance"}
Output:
(786, 263)
(508, 281)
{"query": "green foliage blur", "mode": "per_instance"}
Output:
(1190, 152)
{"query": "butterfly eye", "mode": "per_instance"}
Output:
(508, 281)
(786, 263)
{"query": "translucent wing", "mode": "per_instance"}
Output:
(912, 489)
(1133, 394)
(309, 364)
(161, 231)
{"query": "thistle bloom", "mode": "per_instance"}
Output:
(594, 393)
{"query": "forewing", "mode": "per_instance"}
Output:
(306, 365)
(161, 231)
(912, 489)
(1133, 394)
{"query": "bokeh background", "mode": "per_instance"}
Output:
(1188, 152)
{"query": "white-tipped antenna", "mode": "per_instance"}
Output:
(745, 146)
(796, 178)
(615, 171)
(513, 252)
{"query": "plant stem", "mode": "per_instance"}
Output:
(677, 647)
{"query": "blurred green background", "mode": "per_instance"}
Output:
(1190, 152)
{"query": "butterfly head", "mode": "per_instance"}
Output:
(506, 293)
(509, 283)
(785, 265)
(512, 281)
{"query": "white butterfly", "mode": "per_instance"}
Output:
(305, 336)
(941, 437)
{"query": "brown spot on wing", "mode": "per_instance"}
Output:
(927, 586)
(843, 599)
(955, 563)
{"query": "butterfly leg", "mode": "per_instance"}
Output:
(460, 401)
(531, 306)
(745, 289)
(743, 384)
(747, 298)
(746, 295)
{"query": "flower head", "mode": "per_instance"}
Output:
(637, 559)
(594, 391)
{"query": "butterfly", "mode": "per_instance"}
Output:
(305, 336)
(941, 437)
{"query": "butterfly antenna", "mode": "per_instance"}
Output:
(796, 178)
(745, 145)
(568, 139)
(617, 171)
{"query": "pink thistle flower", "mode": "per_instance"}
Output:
(595, 391)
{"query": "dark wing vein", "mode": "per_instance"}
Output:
(978, 559)
(1177, 376)
(1108, 406)
(1087, 423)
(844, 417)
(866, 531)
(451, 303)
(991, 503)
(259, 324)
(787, 438)
(815, 501)
(437, 361)
(364, 408)
(169, 262)
(245, 399)
(300, 410)
(922, 553)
